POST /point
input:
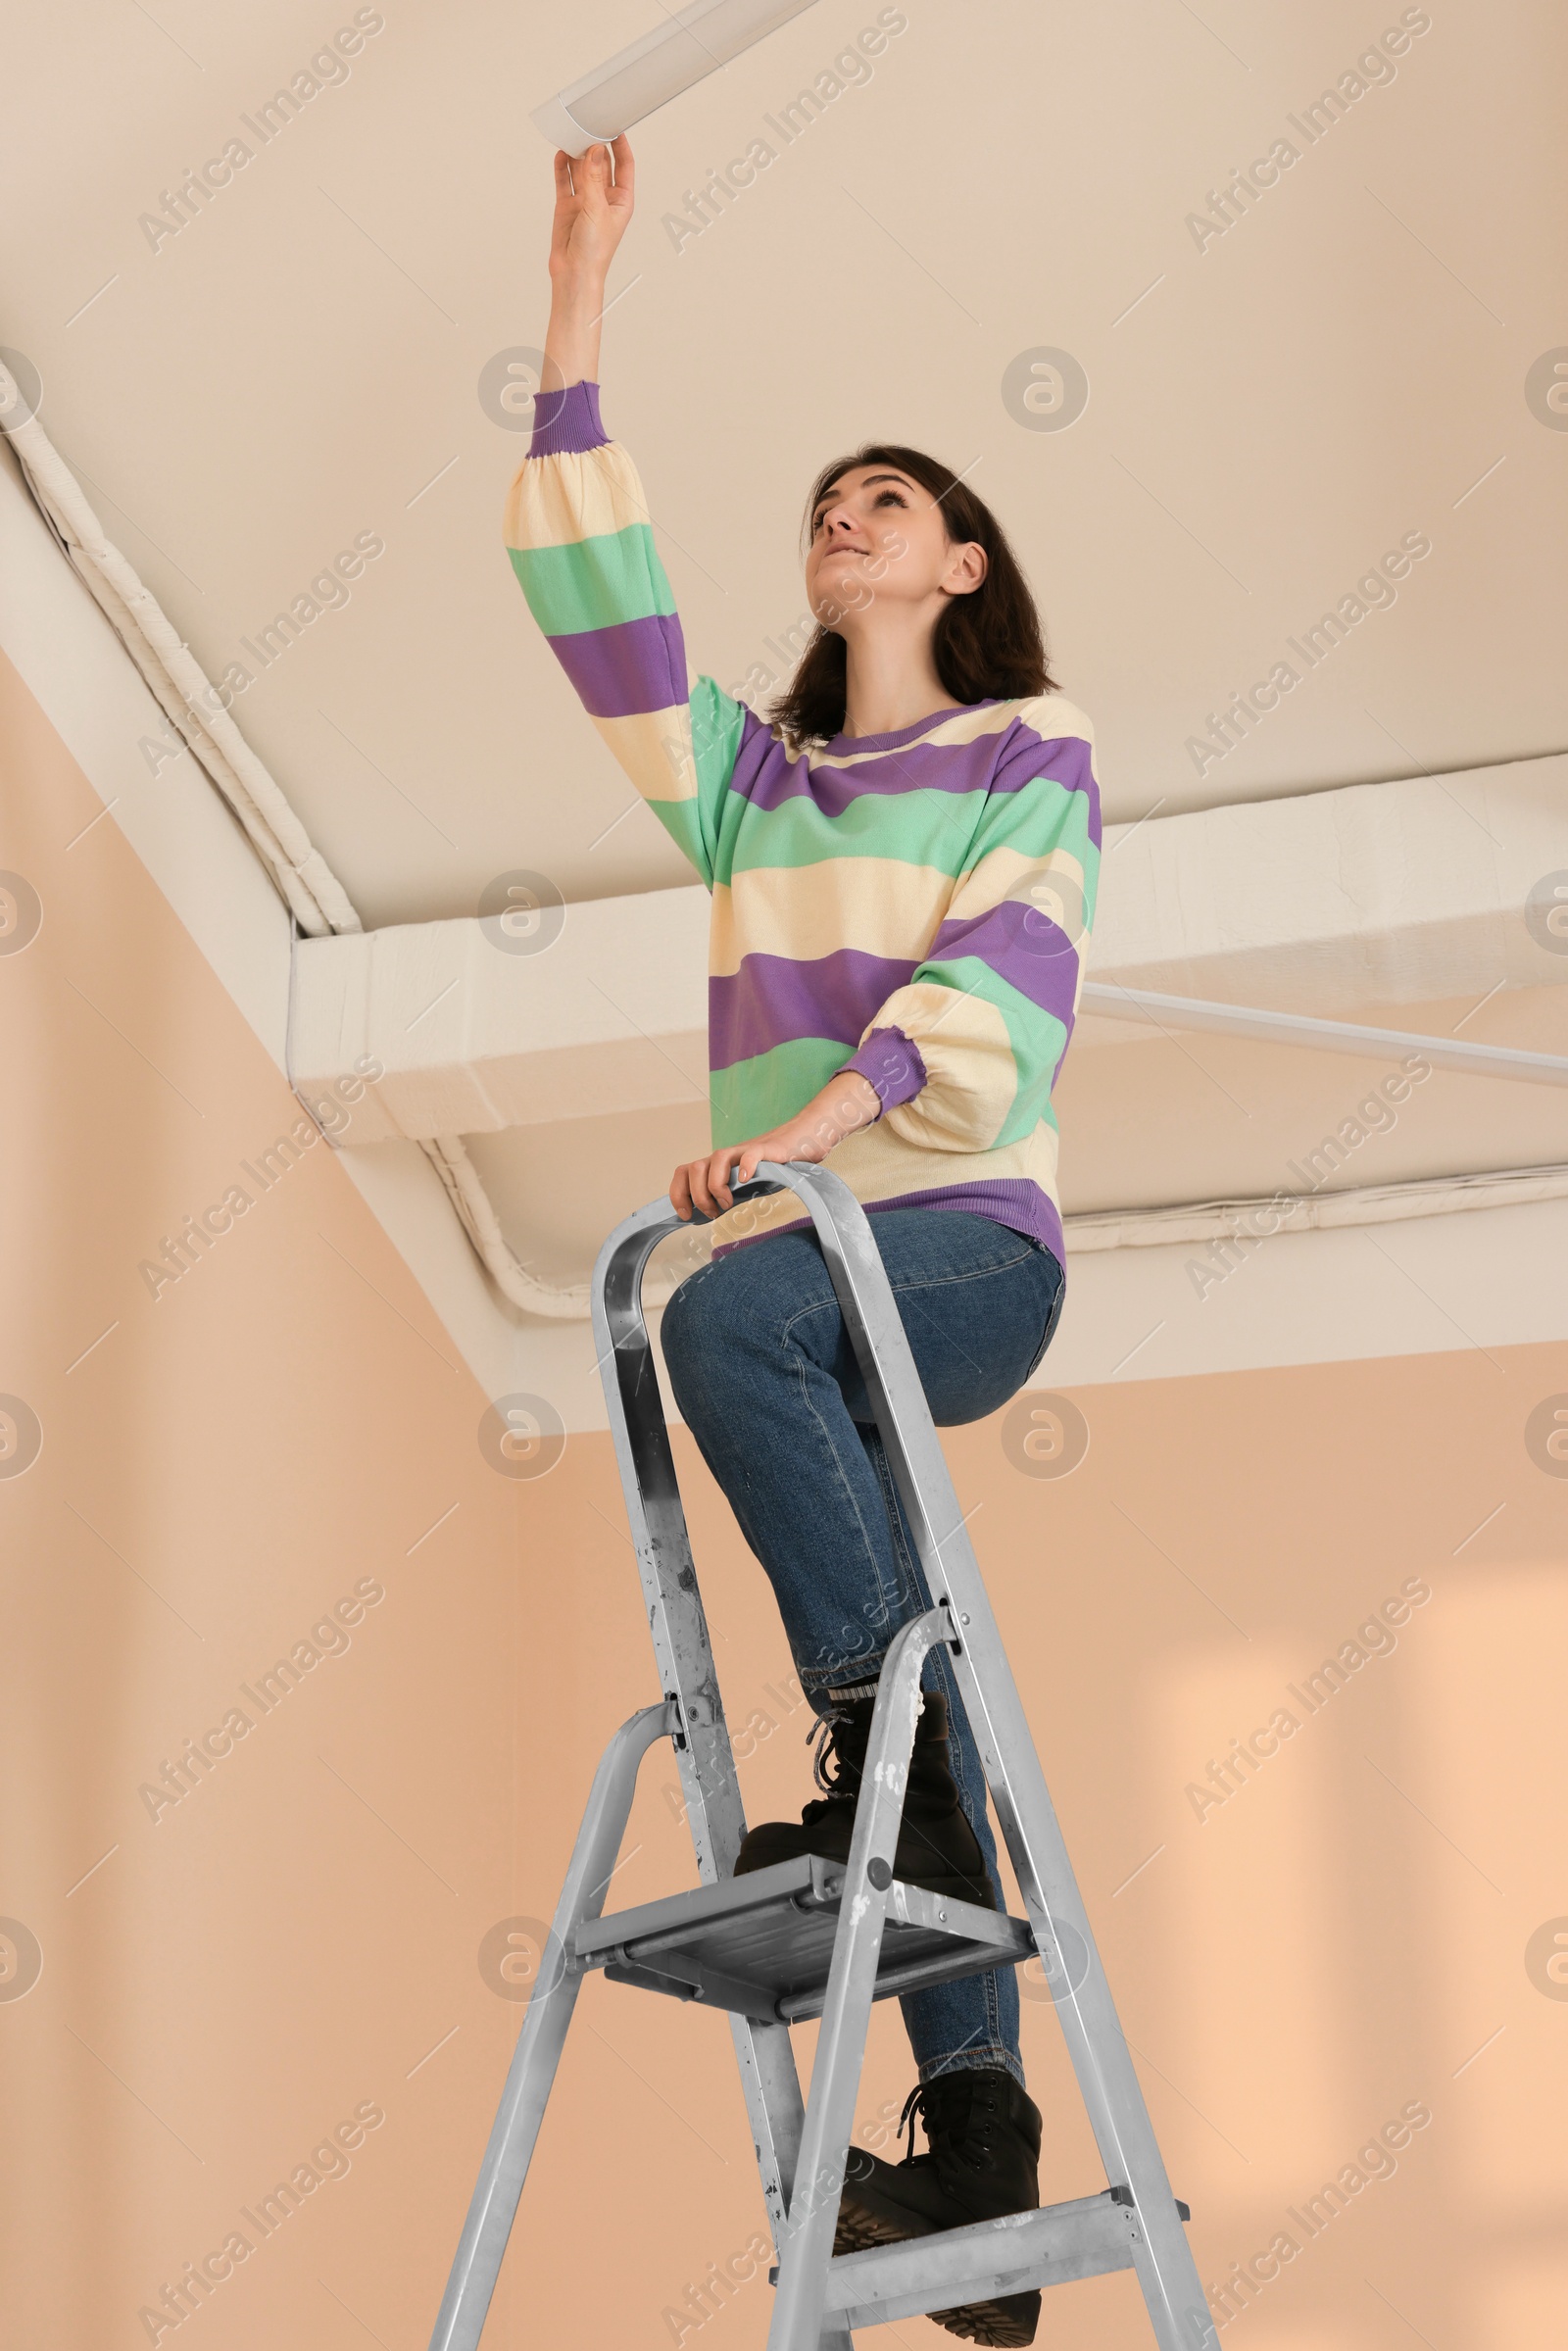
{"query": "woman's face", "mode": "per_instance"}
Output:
(878, 537)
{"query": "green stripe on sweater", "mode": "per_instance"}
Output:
(594, 583)
(1035, 1036)
(919, 827)
(751, 1097)
(950, 831)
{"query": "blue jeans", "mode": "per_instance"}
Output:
(766, 1380)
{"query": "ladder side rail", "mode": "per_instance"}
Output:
(808, 2249)
(1097, 2045)
(677, 1620)
(769, 2080)
(493, 2205)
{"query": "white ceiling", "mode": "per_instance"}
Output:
(300, 361)
(1348, 364)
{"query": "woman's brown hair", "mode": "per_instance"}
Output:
(987, 646)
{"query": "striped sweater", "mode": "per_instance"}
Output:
(914, 906)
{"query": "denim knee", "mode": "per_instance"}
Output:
(697, 1333)
(677, 1317)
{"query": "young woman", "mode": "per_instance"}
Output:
(903, 867)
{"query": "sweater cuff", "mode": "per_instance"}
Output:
(891, 1064)
(565, 421)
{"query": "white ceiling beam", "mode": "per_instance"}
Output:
(473, 1036)
(1270, 919)
(1325, 902)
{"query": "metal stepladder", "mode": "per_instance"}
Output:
(782, 1944)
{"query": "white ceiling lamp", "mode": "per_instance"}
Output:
(691, 44)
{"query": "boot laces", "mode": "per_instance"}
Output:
(823, 1743)
(823, 1740)
(966, 2129)
(915, 2104)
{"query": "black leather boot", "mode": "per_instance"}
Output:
(937, 1847)
(982, 2160)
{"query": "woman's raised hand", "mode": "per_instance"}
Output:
(592, 210)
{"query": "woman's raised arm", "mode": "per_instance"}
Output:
(581, 542)
(595, 197)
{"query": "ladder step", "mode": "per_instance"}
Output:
(762, 1944)
(1084, 2238)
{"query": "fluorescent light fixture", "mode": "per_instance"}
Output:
(691, 44)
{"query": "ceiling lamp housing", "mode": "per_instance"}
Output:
(690, 45)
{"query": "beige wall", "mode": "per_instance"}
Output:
(297, 1939)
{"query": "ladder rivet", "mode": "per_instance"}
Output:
(963, 1620)
(879, 1873)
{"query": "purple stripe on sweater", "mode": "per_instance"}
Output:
(771, 1000)
(1023, 947)
(1022, 1206)
(993, 763)
(635, 667)
(953, 769)
(566, 422)
(774, 1000)
(1066, 759)
(891, 1064)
